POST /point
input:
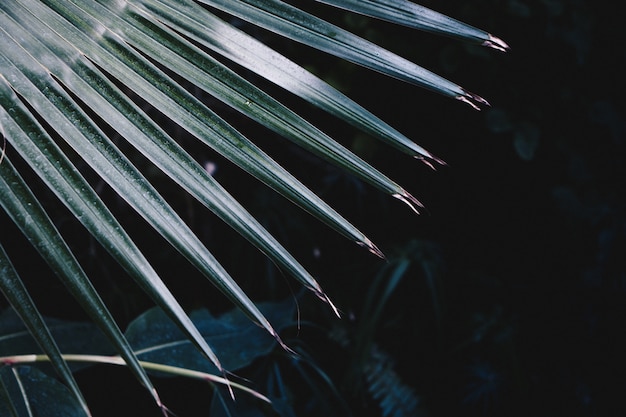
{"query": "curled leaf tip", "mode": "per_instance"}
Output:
(473, 100)
(496, 43)
(410, 201)
(372, 248)
(322, 296)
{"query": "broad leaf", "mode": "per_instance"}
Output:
(15, 339)
(236, 340)
(31, 393)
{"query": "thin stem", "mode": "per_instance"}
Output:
(117, 360)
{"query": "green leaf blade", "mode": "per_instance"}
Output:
(302, 27)
(85, 138)
(81, 134)
(31, 393)
(109, 52)
(413, 15)
(148, 36)
(213, 33)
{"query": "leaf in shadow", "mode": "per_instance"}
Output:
(236, 340)
(16, 340)
(29, 392)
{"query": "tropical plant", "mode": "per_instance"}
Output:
(80, 80)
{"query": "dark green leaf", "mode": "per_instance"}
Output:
(215, 34)
(31, 393)
(156, 40)
(33, 81)
(307, 29)
(15, 339)
(236, 340)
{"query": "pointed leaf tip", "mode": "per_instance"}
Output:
(155, 395)
(430, 161)
(275, 334)
(473, 100)
(325, 298)
(410, 201)
(496, 43)
(372, 248)
(322, 296)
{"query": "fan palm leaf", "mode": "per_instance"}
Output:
(70, 75)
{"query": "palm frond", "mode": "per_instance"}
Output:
(71, 75)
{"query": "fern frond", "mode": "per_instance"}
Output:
(395, 398)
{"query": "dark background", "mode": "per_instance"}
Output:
(513, 303)
(525, 227)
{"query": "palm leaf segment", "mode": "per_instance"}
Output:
(63, 60)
